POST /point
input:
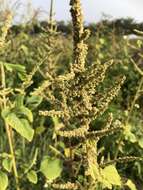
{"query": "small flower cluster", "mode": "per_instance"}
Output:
(5, 28)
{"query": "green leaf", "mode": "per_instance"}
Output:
(5, 155)
(19, 69)
(21, 109)
(111, 175)
(22, 76)
(129, 136)
(140, 142)
(33, 101)
(28, 131)
(20, 125)
(131, 185)
(106, 184)
(7, 164)
(95, 172)
(5, 112)
(51, 168)
(132, 138)
(40, 130)
(32, 176)
(3, 181)
(19, 100)
(26, 112)
(15, 67)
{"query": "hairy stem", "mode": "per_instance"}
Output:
(9, 132)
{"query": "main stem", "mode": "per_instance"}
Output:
(9, 132)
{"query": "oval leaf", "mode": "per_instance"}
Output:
(7, 164)
(111, 175)
(32, 176)
(33, 101)
(28, 131)
(51, 168)
(3, 181)
(20, 125)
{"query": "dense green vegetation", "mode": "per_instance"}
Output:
(71, 116)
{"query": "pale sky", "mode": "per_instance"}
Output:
(93, 9)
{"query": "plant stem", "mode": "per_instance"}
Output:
(9, 135)
(9, 132)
